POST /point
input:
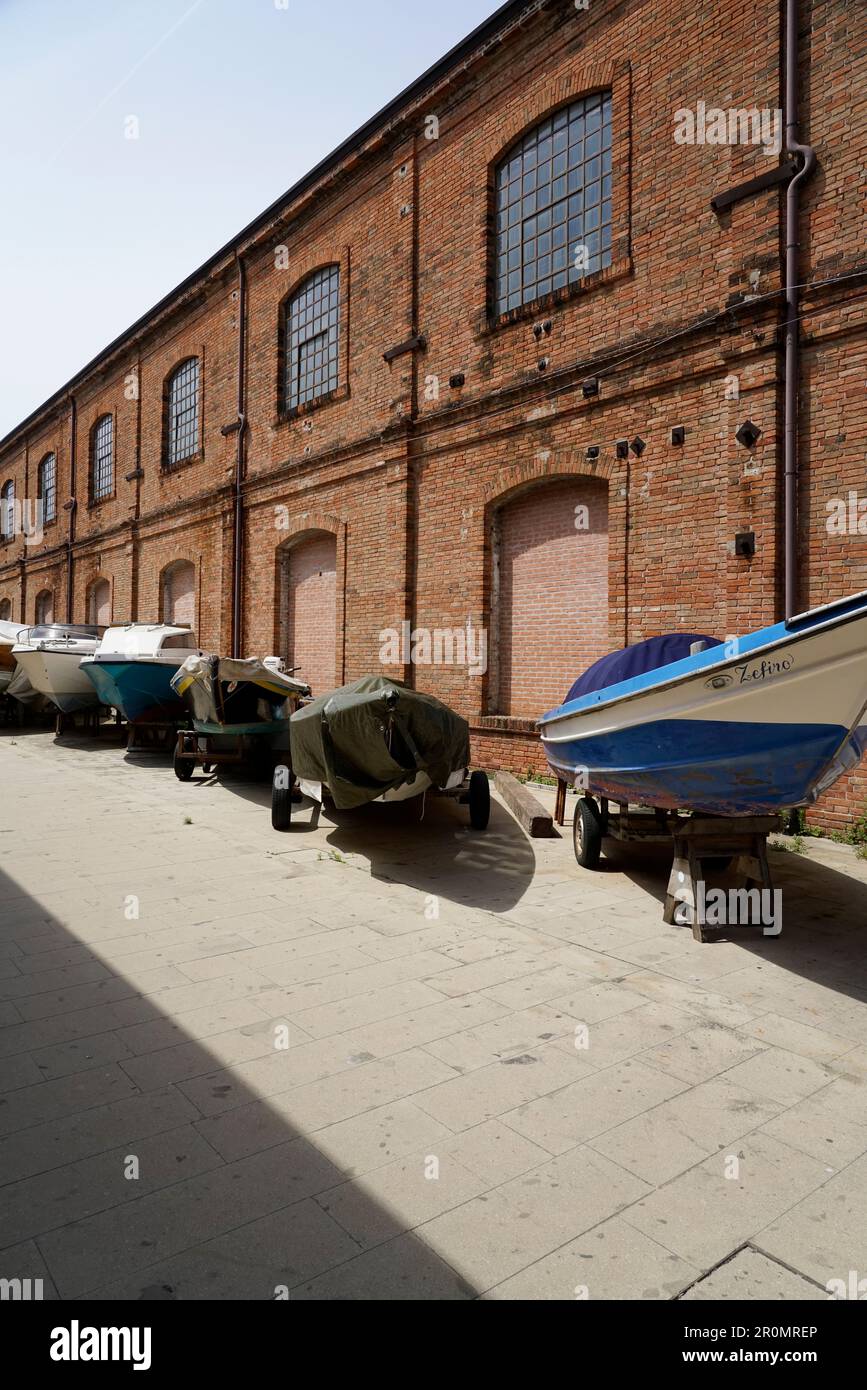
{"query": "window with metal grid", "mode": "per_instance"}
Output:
(7, 510)
(48, 487)
(553, 208)
(312, 338)
(103, 458)
(183, 409)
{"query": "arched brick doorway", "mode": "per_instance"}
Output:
(550, 595)
(99, 603)
(179, 594)
(44, 608)
(308, 609)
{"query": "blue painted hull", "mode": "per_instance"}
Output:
(141, 690)
(718, 768)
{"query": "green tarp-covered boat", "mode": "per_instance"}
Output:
(377, 738)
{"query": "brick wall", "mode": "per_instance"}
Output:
(420, 483)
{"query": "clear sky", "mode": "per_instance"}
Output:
(234, 100)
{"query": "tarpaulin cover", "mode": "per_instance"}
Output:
(373, 736)
(636, 660)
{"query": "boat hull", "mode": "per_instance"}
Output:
(141, 690)
(767, 726)
(58, 676)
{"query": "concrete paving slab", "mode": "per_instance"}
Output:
(749, 1275)
(612, 1261)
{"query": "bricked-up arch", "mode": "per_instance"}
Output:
(43, 609)
(178, 594)
(99, 601)
(549, 616)
(308, 607)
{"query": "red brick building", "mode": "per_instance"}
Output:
(436, 383)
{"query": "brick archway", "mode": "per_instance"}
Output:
(548, 611)
(309, 600)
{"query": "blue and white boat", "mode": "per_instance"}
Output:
(132, 670)
(749, 726)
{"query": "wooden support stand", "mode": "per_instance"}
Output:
(742, 838)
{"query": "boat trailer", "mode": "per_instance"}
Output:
(701, 843)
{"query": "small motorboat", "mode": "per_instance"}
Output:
(377, 740)
(239, 709)
(50, 656)
(132, 668)
(749, 726)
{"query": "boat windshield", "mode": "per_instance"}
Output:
(179, 641)
(58, 632)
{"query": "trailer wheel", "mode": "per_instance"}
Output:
(183, 767)
(281, 798)
(480, 800)
(587, 833)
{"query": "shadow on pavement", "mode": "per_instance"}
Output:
(235, 1192)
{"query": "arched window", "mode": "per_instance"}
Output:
(311, 339)
(5, 610)
(47, 487)
(99, 603)
(182, 413)
(554, 204)
(179, 594)
(102, 459)
(45, 607)
(7, 510)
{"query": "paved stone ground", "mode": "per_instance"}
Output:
(431, 1130)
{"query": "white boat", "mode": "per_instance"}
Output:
(10, 636)
(49, 655)
(132, 670)
(749, 726)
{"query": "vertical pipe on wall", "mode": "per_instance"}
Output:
(792, 338)
(70, 538)
(134, 530)
(238, 517)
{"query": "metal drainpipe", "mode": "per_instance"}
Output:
(237, 558)
(71, 533)
(792, 341)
